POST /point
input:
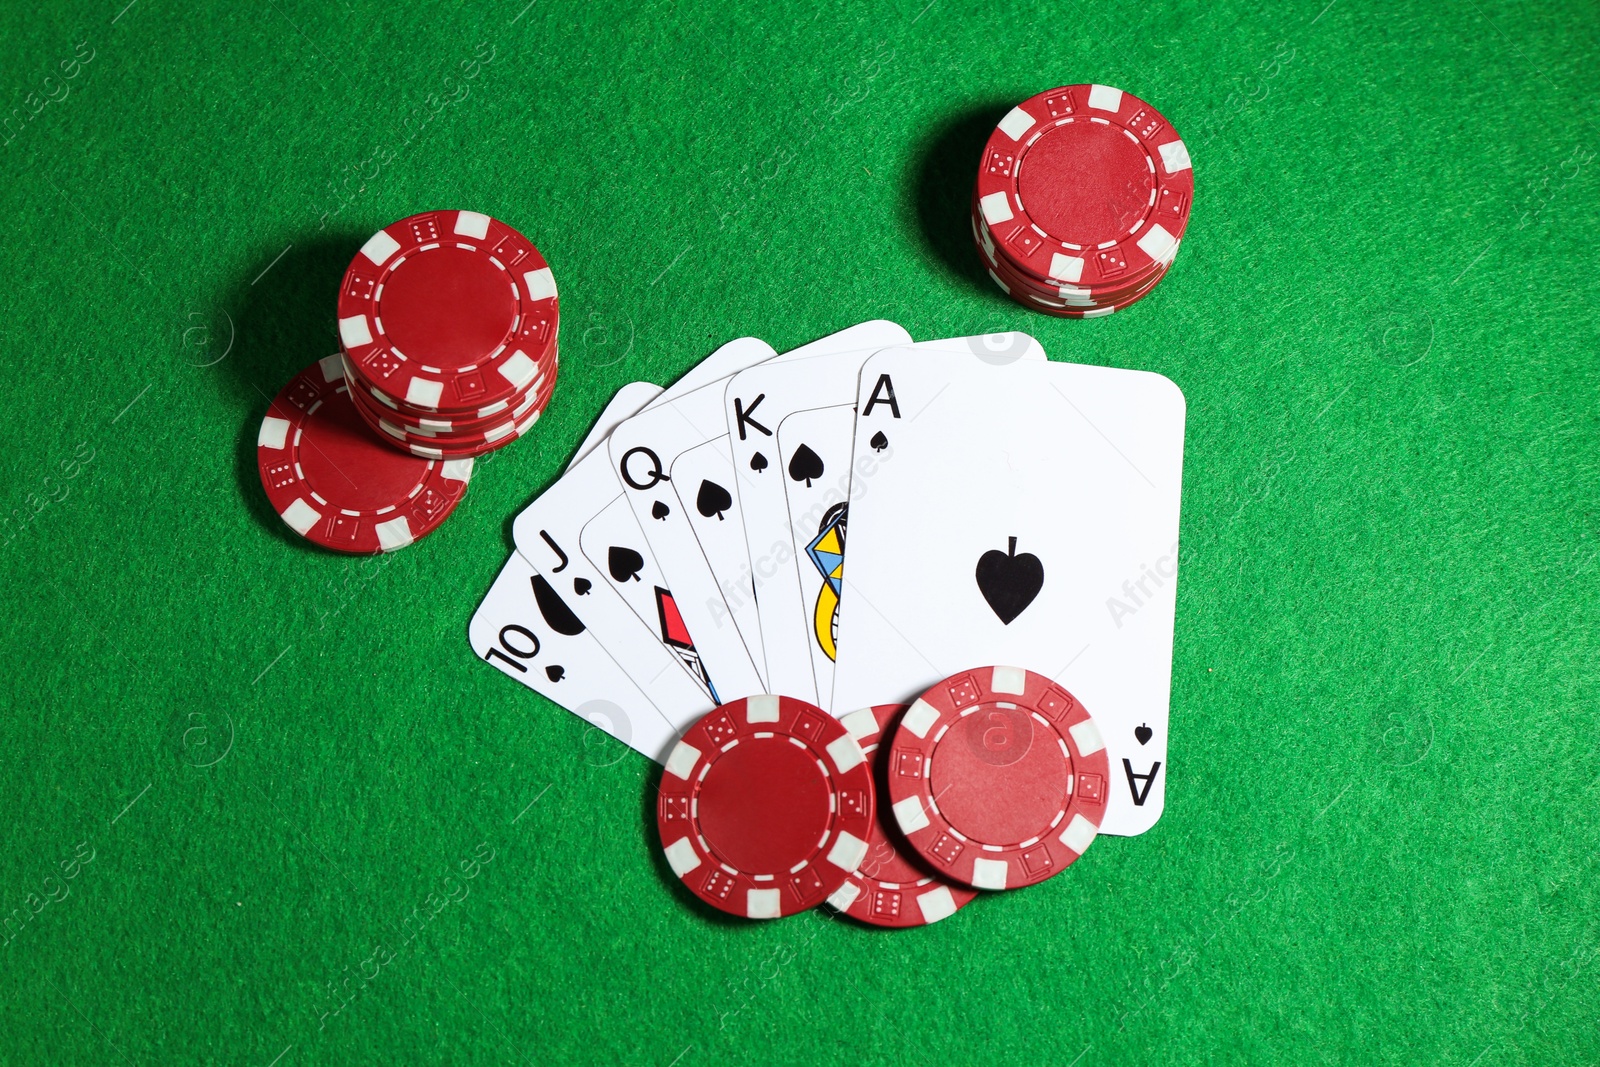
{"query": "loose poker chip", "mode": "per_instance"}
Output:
(998, 778)
(891, 888)
(334, 483)
(1084, 187)
(448, 311)
(765, 807)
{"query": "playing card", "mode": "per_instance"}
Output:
(702, 479)
(624, 403)
(642, 451)
(816, 448)
(524, 628)
(573, 670)
(613, 545)
(757, 401)
(1022, 514)
(547, 534)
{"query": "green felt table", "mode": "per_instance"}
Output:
(263, 806)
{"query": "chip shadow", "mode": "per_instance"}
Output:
(651, 788)
(279, 320)
(946, 167)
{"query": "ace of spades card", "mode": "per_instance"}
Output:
(1025, 514)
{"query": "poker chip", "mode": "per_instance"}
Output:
(499, 437)
(448, 311)
(997, 778)
(1071, 306)
(331, 480)
(765, 807)
(433, 425)
(1081, 200)
(448, 322)
(1058, 298)
(891, 888)
(469, 437)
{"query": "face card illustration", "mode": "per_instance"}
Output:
(524, 627)
(1013, 508)
(756, 404)
(613, 544)
(815, 447)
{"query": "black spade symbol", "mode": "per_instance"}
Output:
(1009, 582)
(879, 442)
(555, 611)
(581, 586)
(758, 463)
(805, 465)
(659, 510)
(624, 563)
(555, 672)
(712, 499)
(1143, 733)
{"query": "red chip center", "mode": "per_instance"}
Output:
(344, 464)
(1086, 183)
(764, 806)
(447, 307)
(997, 783)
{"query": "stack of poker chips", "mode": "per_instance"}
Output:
(448, 325)
(1081, 200)
(447, 328)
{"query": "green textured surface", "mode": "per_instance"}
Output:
(1380, 837)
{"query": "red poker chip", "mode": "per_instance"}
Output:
(545, 362)
(998, 778)
(425, 423)
(1037, 298)
(1031, 293)
(464, 434)
(1059, 300)
(448, 311)
(1031, 298)
(1066, 295)
(1085, 185)
(891, 888)
(765, 807)
(334, 484)
(462, 445)
(476, 445)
